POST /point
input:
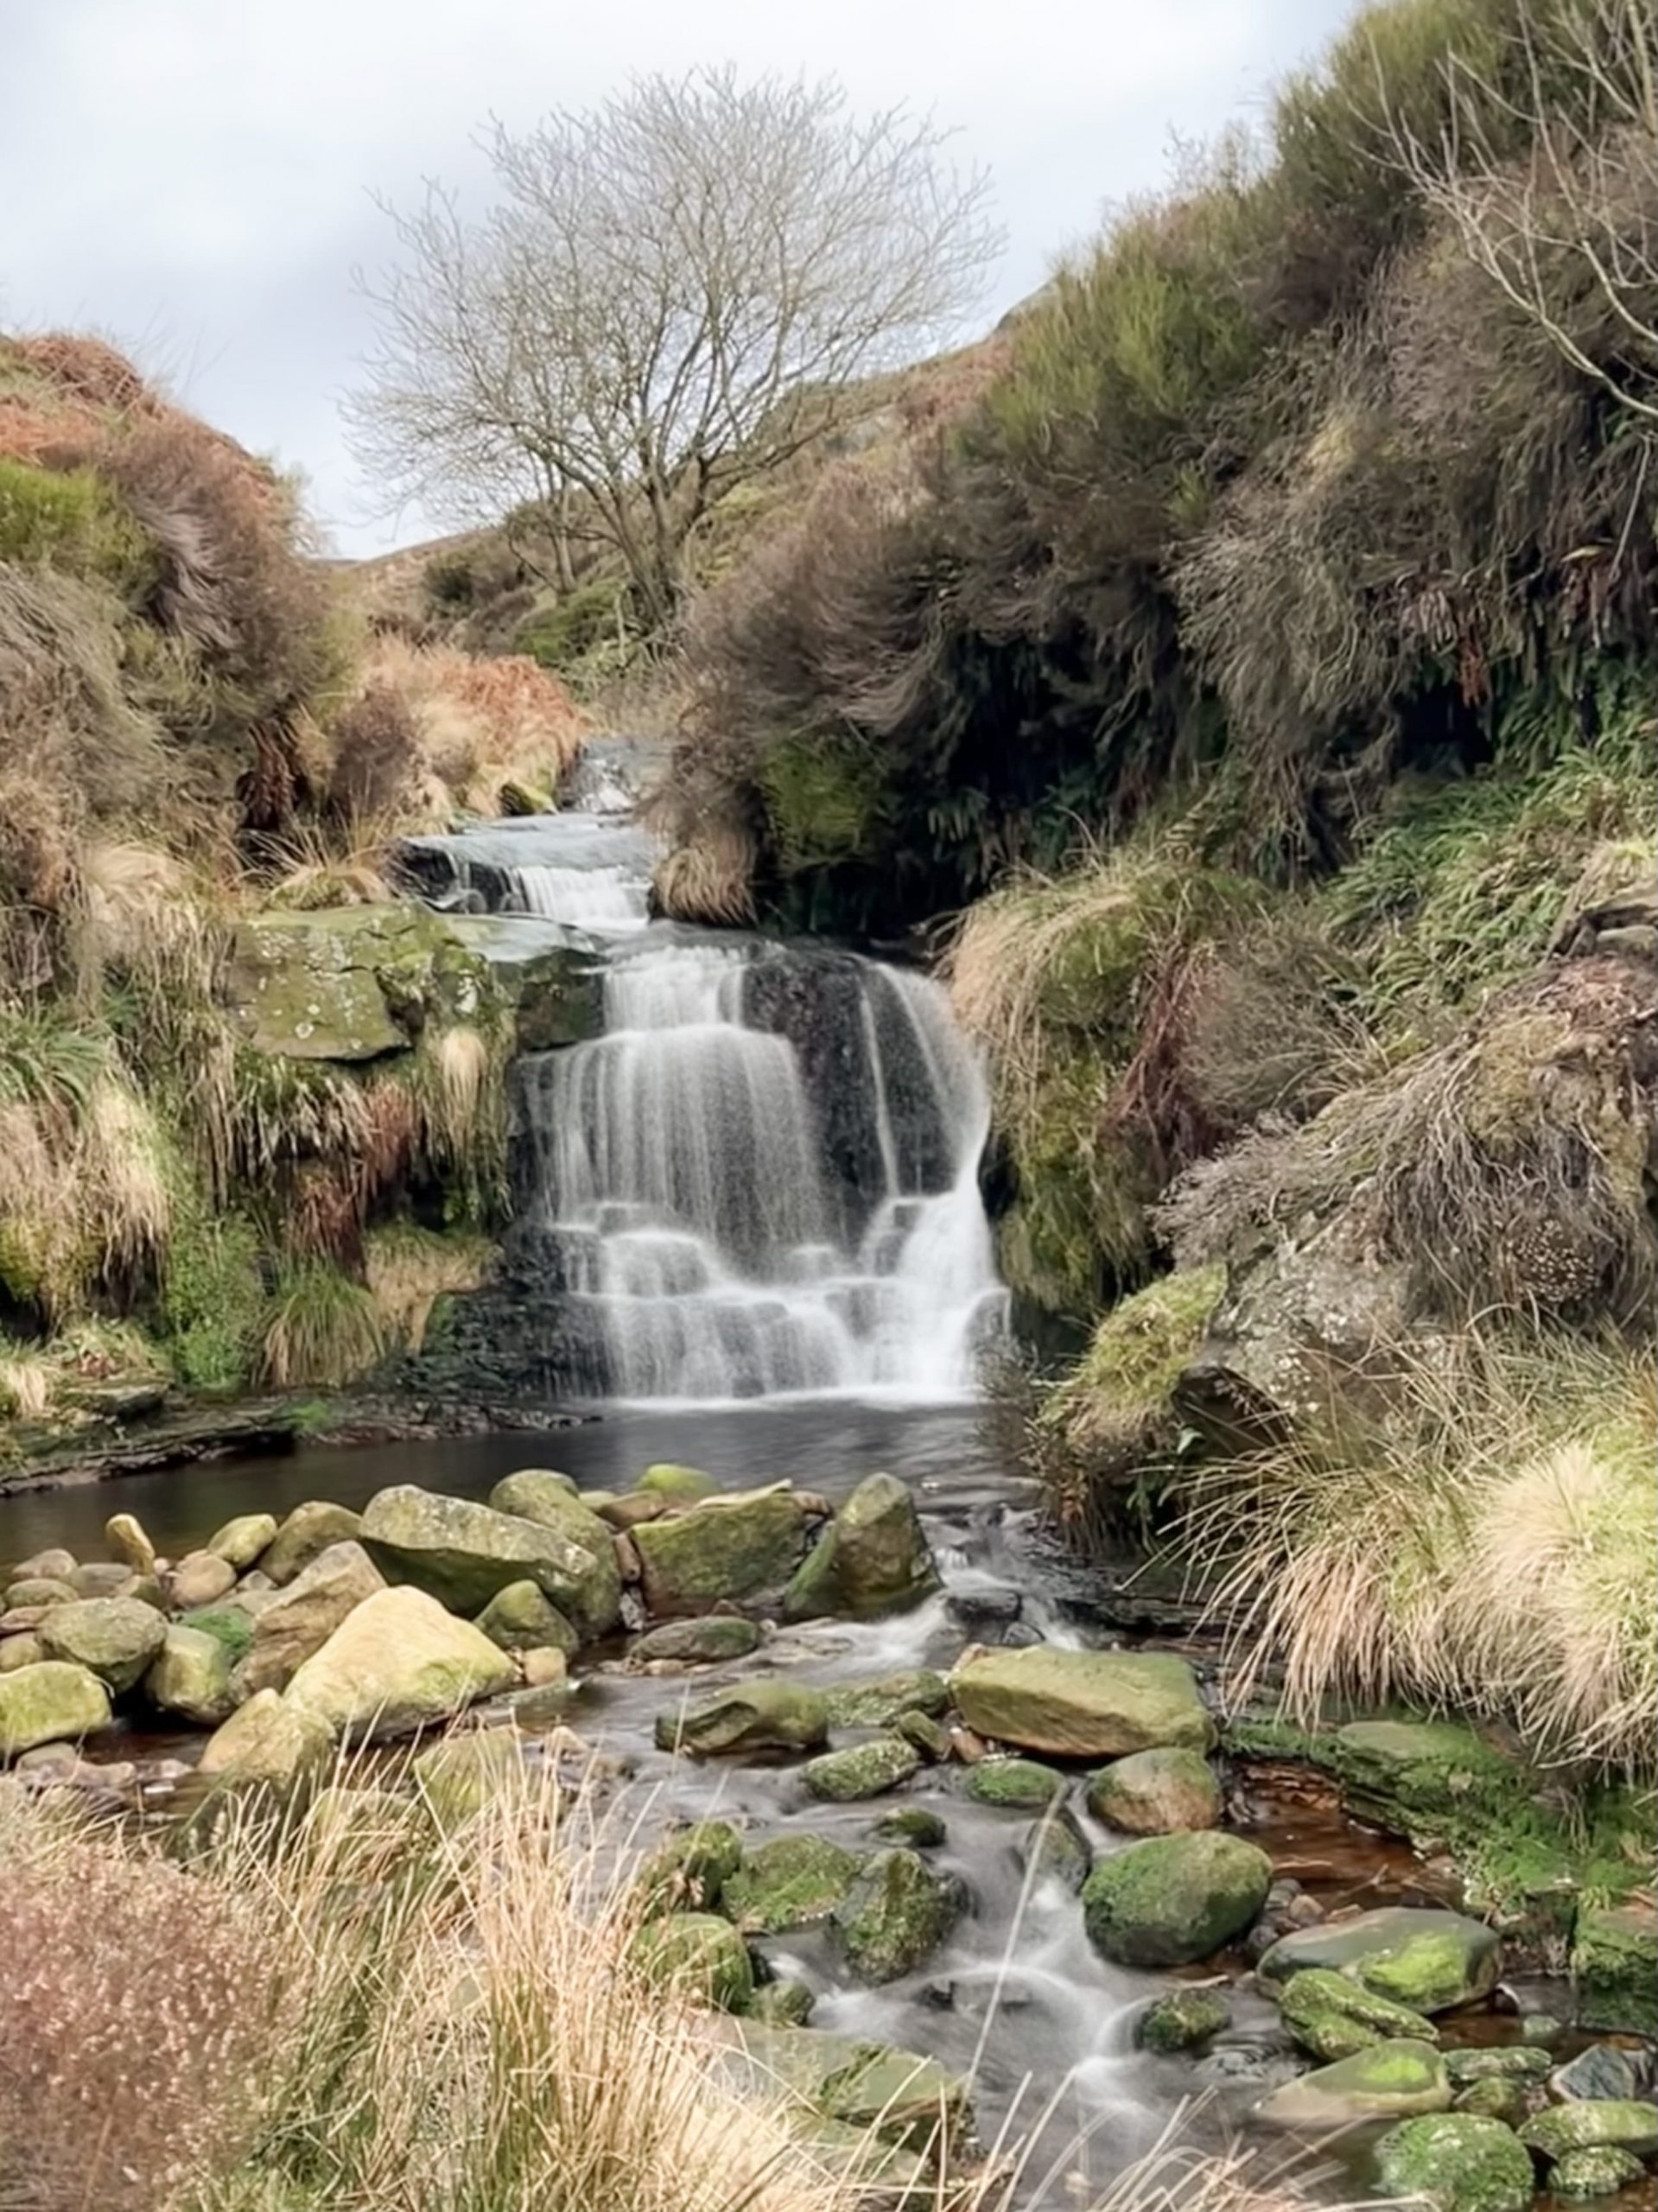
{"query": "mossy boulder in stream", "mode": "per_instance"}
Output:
(309, 1531)
(1613, 2123)
(1184, 2020)
(860, 1770)
(1457, 2162)
(1601, 2170)
(872, 1559)
(398, 1662)
(1395, 2080)
(191, 1676)
(690, 1870)
(1024, 1784)
(1173, 1898)
(537, 1494)
(699, 1956)
(1082, 1704)
(114, 1638)
(301, 1618)
(522, 1618)
(678, 1485)
(1163, 1792)
(1332, 2016)
(895, 1915)
(461, 1774)
(1615, 1966)
(266, 1740)
(883, 1699)
(754, 1717)
(244, 1540)
(794, 1881)
(707, 1642)
(739, 1546)
(462, 1553)
(1419, 1956)
(54, 1701)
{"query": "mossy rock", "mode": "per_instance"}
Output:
(899, 2097)
(1419, 1956)
(266, 1740)
(459, 1776)
(1160, 1792)
(1458, 2162)
(929, 1737)
(1332, 2016)
(349, 983)
(678, 1485)
(783, 2003)
(1395, 2080)
(398, 1662)
(914, 1826)
(191, 1676)
(792, 1882)
(244, 1540)
(1082, 1704)
(717, 1637)
(872, 1559)
(309, 1531)
(1184, 2020)
(462, 1553)
(1600, 2123)
(880, 1702)
(1513, 2061)
(1172, 1899)
(1055, 1848)
(1614, 1966)
(35, 1595)
(115, 1638)
(756, 1717)
(1494, 2099)
(1023, 1784)
(1601, 2170)
(540, 1494)
(740, 1547)
(861, 1771)
(699, 1956)
(692, 1870)
(895, 1915)
(522, 1618)
(54, 1701)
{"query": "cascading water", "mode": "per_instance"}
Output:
(762, 1177)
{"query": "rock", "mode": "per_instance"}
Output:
(1615, 1967)
(544, 1666)
(740, 1546)
(1420, 1955)
(543, 1495)
(462, 1553)
(459, 1776)
(300, 1620)
(929, 1737)
(1542, 2028)
(1332, 2018)
(1614, 2123)
(397, 1662)
(783, 2003)
(191, 1676)
(1599, 2170)
(702, 1643)
(522, 1618)
(678, 1485)
(690, 1872)
(1082, 1704)
(1183, 2020)
(244, 1540)
(61, 1761)
(895, 1915)
(231, 1626)
(309, 1531)
(539, 1708)
(793, 1882)
(265, 1740)
(1492, 2099)
(125, 1534)
(115, 1638)
(880, 1702)
(625, 1513)
(1156, 1792)
(898, 2096)
(1602, 2071)
(983, 1614)
(351, 983)
(872, 1559)
(53, 1564)
(757, 1717)
(1054, 1847)
(1396, 2081)
(103, 1579)
(861, 1771)
(1457, 2162)
(913, 1825)
(35, 1593)
(1511, 2062)
(700, 1956)
(52, 1701)
(1170, 1899)
(201, 1578)
(24, 1651)
(1024, 1784)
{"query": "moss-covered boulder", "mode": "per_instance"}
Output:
(872, 1559)
(1024, 1785)
(794, 1881)
(201, 1578)
(309, 1531)
(191, 1676)
(753, 1717)
(53, 1702)
(1511, 2062)
(229, 1626)
(127, 1537)
(1601, 2170)
(688, 1871)
(1457, 2162)
(1184, 2020)
(303, 1616)
(115, 1638)
(1493, 2099)
(1173, 1898)
(538, 1494)
(783, 2003)
(1332, 2016)
(861, 1771)
(677, 1485)
(1163, 1792)
(522, 1618)
(266, 1740)
(869, 2092)
(34, 1593)
(1597, 2123)
(895, 1915)
(398, 1662)
(241, 1541)
(1394, 2081)
(1419, 1956)
(351, 983)
(461, 1775)
(1082, 1704)
(707, 1642)
(882, 1700)
(700, 1956)
(900, 2097)
(929, 1737)
(739, 1546)
(915, 1826)
(1055, 1849)
(462, 1553)
(1614, 1966)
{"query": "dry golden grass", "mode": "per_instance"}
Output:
(27, 1381)
(408, 1269)
(710, 879)
(477, 725)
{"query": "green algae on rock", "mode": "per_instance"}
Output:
(896, 1913)
(1172, 1899)
(1082, 1704)
(1332, 2016)
(1183, 2020)
(700, 1955)
(1457, 2162)
(1419, 1956)
(860, 1770)
(792, 1882)
(739, 1546)
(1156, 1792)
(872, 1559)
(1024, 1785)
(754, 1717)
(1394, 2081)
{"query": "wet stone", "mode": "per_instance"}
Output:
(897, 1913)
(1601, 2071)
(1456, 2162)
(1603, 2171)
(913, 1825)
(1184, 2020)
(718, 1637)
(861, 1771)
(793, 1882)
(1021, 1784)
(1515, 2062)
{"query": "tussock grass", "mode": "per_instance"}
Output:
(29, 1381)
(710, 879)
(470, 728)
(320, 1328)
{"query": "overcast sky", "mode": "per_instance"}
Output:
(192, 177)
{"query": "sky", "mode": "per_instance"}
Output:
(196, 179)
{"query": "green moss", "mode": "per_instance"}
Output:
(214, 1296)
(824, 797)
(795, 1881)
(569, 629)
(71, 520)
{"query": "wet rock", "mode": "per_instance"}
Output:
(1082, 1704)
(53, 1564)
(983, 1614)
(902, 2098)
(1332, 2018)
(522, 1618)
(625, 1513)
(1054, 1847)
(793, 1882)
(1602, 2071)
(300, 1620)
(1024, 1784)
(913, 1825)
(53, 1702)
(688, 1871)
(309, 1531)
(1615, 2123)
(125, 1536)
(1156, 1792)
(868, 2090)
(201, 1578)
(1184, 2020)
(1542, 2028)
(265, 1740)
(23, 1650)
(1502, 2062)
(191, 1676)
(700, 1956)
(880, 1702)
(539, 1494)
(34, 1593)
(398, 1662)
(783, 2003)
(244, 1540)
(861, 1771)
(104, 1579)
(872, 1559)
(539, 1708)
(229, 1626)
(895, 1915)
(114, 1638)
(458, 1776)
(1494, 2099)
(1457, 2162)
(1172, 1899)
(1420, 1955)
(706, 1642)
(1614, 1966)
(544, 1666)
(1396, 2081)
(1601, 2170)
(755, 1717)
(742, 1546)
(929, 1737)
(677, 1485)
(462, 1553)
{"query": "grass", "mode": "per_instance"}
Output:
(320, 1328)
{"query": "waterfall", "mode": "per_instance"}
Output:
(762, 1177)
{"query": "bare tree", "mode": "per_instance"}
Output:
(674, 293)
(1565, 224)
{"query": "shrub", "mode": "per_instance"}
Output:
(376, 755)
(214, 1297)
(320, 1327)
(71, 520)
(574, 626)
(448, 580)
